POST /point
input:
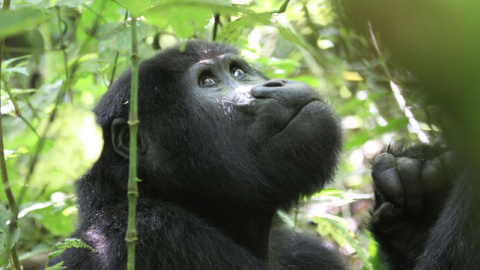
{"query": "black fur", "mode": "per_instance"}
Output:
(216, 163)
(422, 216)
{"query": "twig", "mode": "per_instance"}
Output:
(284, 6)
(15, 105)
(117, 54)
(12, 98)
(12, 226)
(64, 52)
(397, 93)
(132, 193)
(216, 22)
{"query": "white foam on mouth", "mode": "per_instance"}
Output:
(243, 95)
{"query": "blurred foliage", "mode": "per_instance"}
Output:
(438, 42)
(61, 55)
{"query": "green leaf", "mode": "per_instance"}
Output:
(57, 219)
(51, 3)
(351, 106)
(233, 30)
(330, 192)
(5, 215)
(337, 228)
(358, 139)
(76, 128)
(392, 125)
(187, 20)
(375, 258)
(184, 19)
(70, 3)
(137, 8)
(57, 266)
(20, 70)
(117, 36)
(227, 3)
(60, 247)
(286, 218)
(17, 21)
(7, 62)
(310, 80)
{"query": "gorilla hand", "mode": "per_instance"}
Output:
(410, 190)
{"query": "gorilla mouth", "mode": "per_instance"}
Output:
(300, 112)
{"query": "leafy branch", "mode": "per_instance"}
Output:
(12, 226)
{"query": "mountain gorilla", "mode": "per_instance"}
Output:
(221, 149)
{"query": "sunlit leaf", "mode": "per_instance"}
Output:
(375, 258)
(232, 31)
(352, 76)
(58, 219)
(60, 247)
(7, 62)
(72, 3)
(138, 7)
(20, 70)
(16, 21)
(184, 19)
(336, 228)
(75, 128)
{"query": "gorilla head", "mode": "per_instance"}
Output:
(213, 129)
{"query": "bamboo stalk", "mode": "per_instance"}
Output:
(132, 193)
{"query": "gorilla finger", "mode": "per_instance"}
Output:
(448, 163)
(385, 213)
(387, 180)
(409, 171)
(435, 176)
(437, 179)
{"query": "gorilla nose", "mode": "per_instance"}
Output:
(288, 92)
(275, 83)
(269, 89)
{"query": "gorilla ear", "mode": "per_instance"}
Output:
(121, 138)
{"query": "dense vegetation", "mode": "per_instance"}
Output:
(60, 56)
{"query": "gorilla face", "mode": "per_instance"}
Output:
(213, 128)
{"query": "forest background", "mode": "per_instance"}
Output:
(60, 56)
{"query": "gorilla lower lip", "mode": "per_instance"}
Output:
(303, 108)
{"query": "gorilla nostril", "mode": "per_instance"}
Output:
(275, 83)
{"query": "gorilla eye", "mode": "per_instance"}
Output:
(237, 73)
(206, 81)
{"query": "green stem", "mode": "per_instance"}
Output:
(15, 105)
(284, 6)
(66, 85)
(64, 52)
(132, 193)
(117, 54)
(11, 253)
(10, 95)
(215, 26)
